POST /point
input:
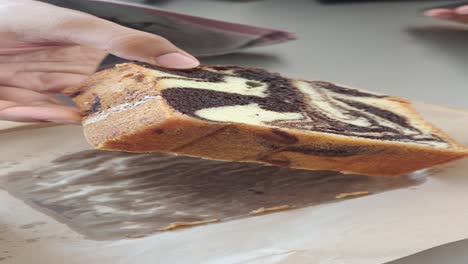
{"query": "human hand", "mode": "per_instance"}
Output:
(45, 48)
(459, 14)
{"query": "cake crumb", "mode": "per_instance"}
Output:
(264, 210)
(135, 236)
(177, 225)
(351, 194)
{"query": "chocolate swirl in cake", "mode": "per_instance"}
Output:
(255, 96)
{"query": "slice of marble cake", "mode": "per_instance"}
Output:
(245, 114)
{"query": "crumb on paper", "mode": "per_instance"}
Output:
(264, 210)
(177, 225)
(135, 235)
(351, 194)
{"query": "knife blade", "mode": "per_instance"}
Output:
(197, 35)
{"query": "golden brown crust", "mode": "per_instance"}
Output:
(152, 125)
(352, 195)
(180, 225)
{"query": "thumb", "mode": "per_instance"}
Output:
(127, 43)
(69, 26)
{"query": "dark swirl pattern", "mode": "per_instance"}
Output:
(256, 96)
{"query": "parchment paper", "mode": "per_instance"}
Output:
(372, 229)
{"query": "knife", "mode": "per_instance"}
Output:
(199, 36)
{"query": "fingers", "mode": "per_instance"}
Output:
(43, 81)
(24, 96)
(24, 105)
(131, 44)
(459, 14)
(440, 13)
(49, 70)
(69, 26)
(12, 111)
(56, 82)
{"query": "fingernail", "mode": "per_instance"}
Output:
(176, 61)
(462, 10)
(439, 13)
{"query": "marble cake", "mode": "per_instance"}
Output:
(244, 114)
